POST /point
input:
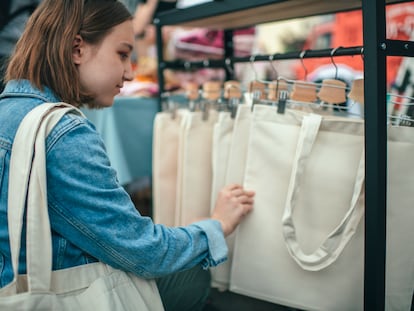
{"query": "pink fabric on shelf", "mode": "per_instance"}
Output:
(201, 42)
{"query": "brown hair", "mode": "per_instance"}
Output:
(43, 55)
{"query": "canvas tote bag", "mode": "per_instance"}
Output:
(89, 287)
(262, 265)
(308, 194)
(180, 165)
(222, 135)
(195, 166)
(234, 173)
(165, 162)
(399, 281)
(399, 244)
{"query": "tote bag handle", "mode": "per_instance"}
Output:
(335, 242)
(28, 182)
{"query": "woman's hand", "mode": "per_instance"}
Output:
(233, 203)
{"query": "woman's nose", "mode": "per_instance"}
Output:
(128, 74)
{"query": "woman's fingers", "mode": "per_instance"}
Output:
(246, 199)
(232, 204)
(239, 191)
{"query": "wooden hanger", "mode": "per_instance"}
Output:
(211, 95)
(256, 87)
(233, 93)
(357, 91)
(211, 90)
(192, 90)
(275, 87)
(192, 93)
(232, 89)
(332, 91)
(303, 91)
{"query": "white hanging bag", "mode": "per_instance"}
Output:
(195, 165)
(234, 173)
(165, 166)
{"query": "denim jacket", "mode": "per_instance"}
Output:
(92, 217)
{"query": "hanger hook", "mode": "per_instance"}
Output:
(302, 55)
(187, 65)
(271, 57)
(333, 62)
(252, 59)
(227, 62)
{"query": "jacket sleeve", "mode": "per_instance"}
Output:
(89, 208)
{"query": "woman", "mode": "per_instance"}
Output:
(78, 51)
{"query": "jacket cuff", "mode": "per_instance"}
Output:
(217, 246)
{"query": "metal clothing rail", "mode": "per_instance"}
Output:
(229, 61)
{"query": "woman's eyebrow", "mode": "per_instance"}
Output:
(129, 46)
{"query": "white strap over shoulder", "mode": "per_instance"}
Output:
(336, 241)
(28, 180)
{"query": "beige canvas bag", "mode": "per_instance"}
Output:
(222, 133)
(314, 198)
(222, 136)
(180, 165)
(94, 286)
(262, 265)
(164, 165)
(399, 267)
(234, 173)
(195, 165)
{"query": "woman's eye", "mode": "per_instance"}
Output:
(124, 55)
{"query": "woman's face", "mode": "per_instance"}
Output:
(104, 67)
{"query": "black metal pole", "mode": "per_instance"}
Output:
(160, 60)
(375, 47)
(229, 53)
(221, 63)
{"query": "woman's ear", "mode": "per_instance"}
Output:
(77, 49)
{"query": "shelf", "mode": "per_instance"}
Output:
(233, 14)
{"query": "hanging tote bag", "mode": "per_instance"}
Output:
(400, 235)
(399, 277)
(329, 190)
(195, 167)
(222, 135)
(164, 167)
(308, 242)
(89, 287)
(180, 165)
(234, 173)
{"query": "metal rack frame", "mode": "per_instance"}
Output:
(232, 14)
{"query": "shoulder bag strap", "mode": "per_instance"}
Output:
(28, 183)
